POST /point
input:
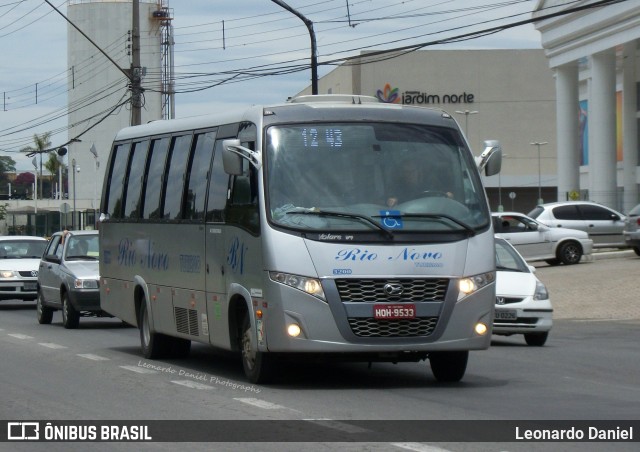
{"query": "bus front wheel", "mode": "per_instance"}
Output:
(449, 366)
(257, 365)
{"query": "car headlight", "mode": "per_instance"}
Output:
(541, 292)
(85, 284)
(472, 284)
(7, 274)
(311, 286)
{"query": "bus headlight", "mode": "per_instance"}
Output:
(472, 284)
(311, 286)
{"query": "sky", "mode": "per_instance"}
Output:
(241, 52)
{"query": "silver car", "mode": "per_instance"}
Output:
(631, 231)
(603, 224)
(537, 242)
(68, 278)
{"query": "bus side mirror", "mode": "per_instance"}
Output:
(233, 153)
(231, 159)
(491, 158)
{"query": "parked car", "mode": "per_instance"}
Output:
(522, 300)
(631, 230)
(604, 225)
(19, 260)
(69, 279)
(538, 242)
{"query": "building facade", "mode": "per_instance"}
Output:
(499, 94)
(594, 56)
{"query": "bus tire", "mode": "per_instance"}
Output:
(154, 345)
(70, 317)
(44, 313)
(257, 365)
(449, 367)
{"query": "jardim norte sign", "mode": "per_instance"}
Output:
(392, 95)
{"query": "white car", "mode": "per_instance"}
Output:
(522, 300)
(538, 242)
(19, 261)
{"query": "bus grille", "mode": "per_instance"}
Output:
(373, 290)
(186, 321)
(369, 327)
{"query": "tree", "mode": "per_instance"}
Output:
(53, 165)
(22, 184)
(41, 142)
(7, 165)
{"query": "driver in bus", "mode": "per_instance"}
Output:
(412, 184)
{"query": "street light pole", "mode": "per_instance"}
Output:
(73, 215)
(500, 206)
(314, 47)
(466, 114)
(538, 144)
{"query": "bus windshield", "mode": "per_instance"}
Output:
(367, 176)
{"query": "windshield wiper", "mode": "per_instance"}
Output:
(438, 216)
(329, 213)
(506, 269)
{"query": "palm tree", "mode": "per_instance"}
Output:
(41, 142)
(53, 165)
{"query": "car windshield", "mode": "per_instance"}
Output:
(372, 177)
(83, 247)
(22, 249)
(508, 259)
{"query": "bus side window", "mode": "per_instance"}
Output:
(242, 208)
(198, 176)
(133, 181)
(218, 188)
(153, 183)
(176, 172)
(117, 171)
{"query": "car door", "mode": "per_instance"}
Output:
(525, 237)
(603, 225)
(48, 270)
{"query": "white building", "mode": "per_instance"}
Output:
(594, 56)
(108, 23)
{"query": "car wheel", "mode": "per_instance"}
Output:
(448, 367)
(70, 317)
(637, 250)
(154, 345)
(536, 339)
(258, 366)
(44, 313)
(569, 253)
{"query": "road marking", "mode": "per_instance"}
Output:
(52, 345)
(259, 403)
(191, 384)
(140, 370)
(337, 425)
(20, 336)
(418, 447)
(93, 357)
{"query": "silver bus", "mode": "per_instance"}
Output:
(329, 227)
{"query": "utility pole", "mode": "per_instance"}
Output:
(135, 74)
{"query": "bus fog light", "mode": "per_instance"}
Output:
(481, 329)
(294, 330)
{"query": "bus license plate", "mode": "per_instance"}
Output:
(394, 311)
(505, 314)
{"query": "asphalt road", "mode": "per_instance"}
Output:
(587, 371)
